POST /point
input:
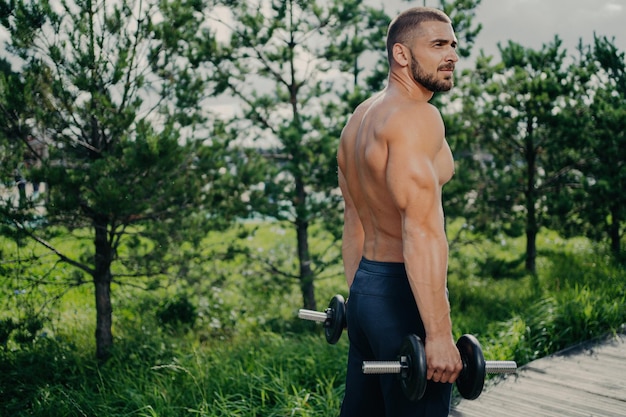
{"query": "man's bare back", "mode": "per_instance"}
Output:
(365, 161)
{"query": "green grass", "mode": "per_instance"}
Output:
(262, 374)
(247, 355)
(578, 294)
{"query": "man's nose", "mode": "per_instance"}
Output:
(452, 55)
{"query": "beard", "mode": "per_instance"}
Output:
(429, 81)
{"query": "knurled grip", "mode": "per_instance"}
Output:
(382, 367)
(500, 367)
(312, 315)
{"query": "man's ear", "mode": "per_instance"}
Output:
(401, 54)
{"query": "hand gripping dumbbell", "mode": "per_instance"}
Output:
(411, 366)
(334, 318)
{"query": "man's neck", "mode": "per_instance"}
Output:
(408, 87)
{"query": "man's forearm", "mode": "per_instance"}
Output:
(426, 266)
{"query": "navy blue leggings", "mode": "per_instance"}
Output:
(381, 313)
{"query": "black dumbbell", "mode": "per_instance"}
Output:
(411, 366)
(334, 318)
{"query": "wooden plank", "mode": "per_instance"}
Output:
(581, 381)
(586, 381)
(568, 400)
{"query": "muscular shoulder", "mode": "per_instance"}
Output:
(418, 125)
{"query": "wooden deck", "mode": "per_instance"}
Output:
(585, 381)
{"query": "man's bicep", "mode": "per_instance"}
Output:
(411, 180)
(411, 174)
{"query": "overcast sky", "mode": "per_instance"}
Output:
(533, 23)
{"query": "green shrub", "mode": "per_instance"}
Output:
(177, 311)
(7, 325)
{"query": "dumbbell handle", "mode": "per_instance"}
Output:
(395, 367)
(500, 367)
(313, 315)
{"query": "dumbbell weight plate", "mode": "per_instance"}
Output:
(335, 324)
(413, 377)
(472, 379)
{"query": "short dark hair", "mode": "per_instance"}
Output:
(404, 26)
